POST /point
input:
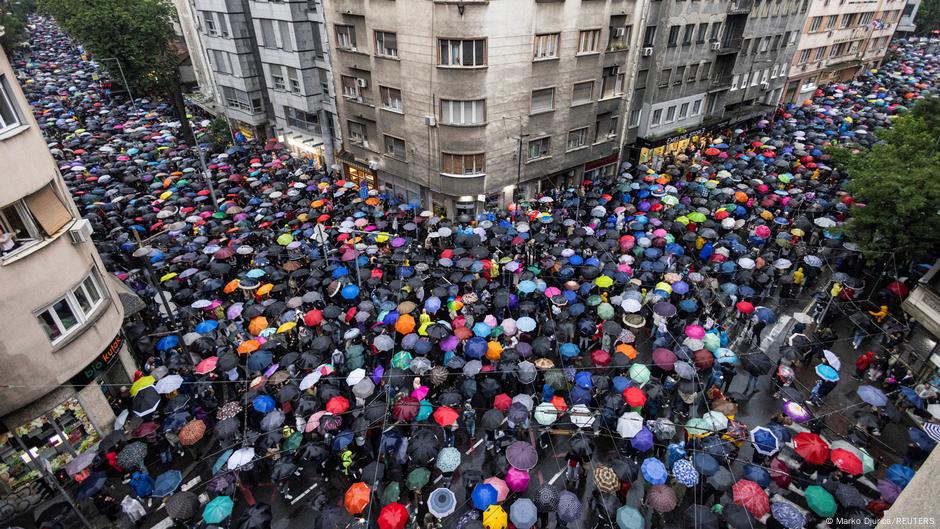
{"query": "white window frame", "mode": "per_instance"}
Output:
(635, 116)
(544, 145)
(656, 117)
(583, 133)
(82, 315)
(463, 112)
(545, 46)
(404, 146)
(278, 81)
(387, 91)
(361, 138)
(456, 53)
(697, 107)
(532, 110)
(589, 41)
(574, 91)
(293, 80)
(381, 50)
(345, 36)
(683, 111)
(351, 91)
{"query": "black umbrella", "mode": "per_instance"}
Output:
(626, 469)
(757, 363)
(582, 447)
(738, 517)
(546, 498)
(700, 517)
(492, 419)
(258, 516)
(182, 505)
(146, 401)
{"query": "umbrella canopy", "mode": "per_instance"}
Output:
(820, 500)
(523, 513)
(661, 498)
(811, 447)
(393, 516)
(442, 503)
(217, 510)
(357, 497)
(752, 497)
(569, 507)
(522, 455)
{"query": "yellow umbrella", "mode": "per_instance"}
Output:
(165, 195)
(167, 277)
(265, 288)
(494, 517)
(141, 383)
(796, 232)
(285, 238)
(286, 326)
(664, 286)
(382, 237)
(604, 281)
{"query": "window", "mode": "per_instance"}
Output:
(683, 111)
(776, 42)
(788, 38)
(687, 34)
(241, 100)
(302, 120)
(764, 43)
(386, 44)
(73, 310)
(465, 53)
(391, 98)
(701, 32)
(847, 21)
(293, 76)
(277, 77)
(286, 40)
(773, 72)
(538, 148)
(577, 138)
(589, 41)
(268, 35)
(583, 93)
(17, 221)
(543, 100)
(605, 128)
(635, 118)
(649, 36)
(463, 164)
(831, 21)
(680, 75)
(220, 61)
(866, 18)
(619, 38)
(692, 73)
(853, 46)
(612, 82)
(664, 77)
(463, 112)
(671, 114)
(734, 81)
(395, 147)
(696, 107)
(657, 117)
(208, 21)
(820, 53)
(673, 35)
(641, 77)
(706, 70)
(746, 46)
(350, 87)
(223, 25)
(345, 37)
(546, 46)
(716, 31)
(358, 133)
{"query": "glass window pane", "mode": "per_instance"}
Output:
(48, 324)
(64, 311)
(82, 299)
(91, 288)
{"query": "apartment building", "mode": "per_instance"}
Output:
(839, 39)
(705, 65)
(907, 25)
(271, 66)
(461, 105)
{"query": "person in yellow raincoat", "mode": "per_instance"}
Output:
(424, 322)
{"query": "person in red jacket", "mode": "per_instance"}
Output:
(862, 363)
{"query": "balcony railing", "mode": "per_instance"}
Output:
(739, 7)
(732, 45)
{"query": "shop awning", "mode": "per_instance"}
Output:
(129, 299)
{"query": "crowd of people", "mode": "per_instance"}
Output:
(428, 370)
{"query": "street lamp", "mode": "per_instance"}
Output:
(121, 71)
(142, 255)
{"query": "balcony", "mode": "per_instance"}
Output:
(719, 83)
(739, 7)
(728, 46)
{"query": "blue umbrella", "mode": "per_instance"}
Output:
(583, 380)
(788, 515)
(255, 273)
(475, 347)
(757, 474)
(899, 474)
(765, 441)
(342, 440)
(912, 397)
(166, 483)
(765, 315)
(206, 326)
(569, 350)
(263, 403)
(685, 473)
(484, 495)
(675, 452)
(350, 292)
(705, 464)
(91, 485)
(643, 440)
(220, 462)
(654, 471)
(688, 305)
(217, 510)
(921, 439)
(621, 383)
(872, 395)
(780, 431)
(745, 291)
(259, 360)
(526, 286)
(481, 329)
(826, 372)
(167, 342)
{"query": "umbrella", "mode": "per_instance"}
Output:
(811, 447)
(661, 498)
(132, 455)
(182, 506)
(606, 479)
(357, 497)
(442, 503)
(654, 471)
(523, 513)
(788, 515)
(146, 401)
(889, 490)
(517, 480)
(629, 424)
(495, 517)
(522, 455)
(240, 458)
(484, 495)
(738, 517)
(418, 478)
(217, 510)
(872, 395)
(546, 497)
(846, 461)
(820, 500)
(80, 463)
(255, 517)
(764, 441)
(849, 496)
(826, 372)
(393, 516)
(448, 459)
(91, 485)
(751, 496)
(192, 432)
(166, 483)
(700, 517)
(630, 518)
(901, 475)
(685, 473)
(569, 507)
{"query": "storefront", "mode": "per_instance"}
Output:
(403, 189)
(356, 171)
(599, 169)
(649, 149)
(309, 149)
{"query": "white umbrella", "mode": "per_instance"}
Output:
(581, 416)
(629, 424)
(631, 305)
(169, 384)
(832, 359)
(934, 409)
(355, 376)
(240, 458)
(716, 420)
(121, 419)
(802, 317)
(310, 380)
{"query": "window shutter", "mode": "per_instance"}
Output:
(48, 210)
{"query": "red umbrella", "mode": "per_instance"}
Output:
(745, 307)
(749, 495)
(634, 397)
(711, 151)
(337, 405)
(406, 409)
(811, 447)
(703, 359)
(313, 318)
(780, 473)
(664, 359)
(600, 357)
(144, 430)
(393, 516)
(559, 403)
(846, 461)
(502, 402)
(898, 289)
(445, 416)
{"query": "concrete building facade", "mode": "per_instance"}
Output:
(187, 27)
(705, 65)
(839, 39)
(907, 25)
(60, 318)
(270, 63)
(462, 104)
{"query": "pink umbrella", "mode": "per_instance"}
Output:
(762, 231)
(552, 291)
(695, 332)
(234, 311)
(490, 320)
(502, 490)
(314, 421)
(420, 392)
(517, 480)
(207, 365)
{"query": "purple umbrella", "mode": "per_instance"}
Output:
(234, 311)
(664, 358)
(796, 411)
(376, 375)
(522, 455)
(889, 490)
(680, 287)
(643, 440)
(664, 309)
(450, 343)
(517, 480)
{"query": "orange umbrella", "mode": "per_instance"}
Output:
(264, 289)
(405, 324)
(493, 351)
(257, 324)
(231, 286)
(248, 346)
(628, 350)
(357, 498)
(559, 403)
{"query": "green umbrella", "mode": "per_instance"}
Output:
(604, 281)
(497, 331)
(697, 426)
(820, 501)
(629, 518)
(418, 478)
(293, 442)
(217, 510)
(284, 239)
(391, 493)
(556, 379)
(605, 311)
(534, 269)
(696, 216)
(669, 200)
(546, 413)
(639, 373)
(220, 462)
(594, 300)
(402, 360)
(424, 411)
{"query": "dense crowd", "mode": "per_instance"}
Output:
(426, 368)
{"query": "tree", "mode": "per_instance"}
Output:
(139, 33)
(928, 16)
(13, 19)
(896, 185)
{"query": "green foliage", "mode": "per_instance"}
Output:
(898, 180)
(13, 19)
(928, 16)
(137, 32)
(218, 134)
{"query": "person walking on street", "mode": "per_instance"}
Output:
(862, 363)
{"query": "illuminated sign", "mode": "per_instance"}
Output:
(101, 363)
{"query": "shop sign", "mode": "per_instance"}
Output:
(607, 160)
(100, 364)
(684, 136)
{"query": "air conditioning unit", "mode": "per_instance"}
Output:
(430, 121)
(361, 83)
(716, 46)
(618, 32)
(647, 51)
(80, 231)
